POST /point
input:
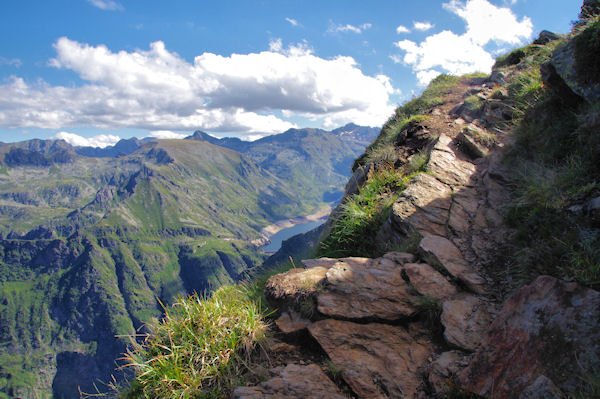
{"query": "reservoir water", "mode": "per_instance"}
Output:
(284, 234)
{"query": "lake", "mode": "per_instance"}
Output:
(284, 234)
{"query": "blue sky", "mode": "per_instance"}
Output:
(94, 71)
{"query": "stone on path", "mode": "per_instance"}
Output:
(443, 369)
(293, 381)
(376, 290)
(377, 360)
(441, 252)
(427, 281)
(465, 320)
(290, 322)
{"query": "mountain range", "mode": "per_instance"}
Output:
(93, 242)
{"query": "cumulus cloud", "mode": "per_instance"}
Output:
(422, 26)
(459, 54)
(486, 22)
(402, 29)
(292, 21)
(349, 28)
(108, 5)
(156, 89)
(167, 134)
(101, 140)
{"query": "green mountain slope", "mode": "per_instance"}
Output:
(92, 248)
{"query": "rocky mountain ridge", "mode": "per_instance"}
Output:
(439, 319)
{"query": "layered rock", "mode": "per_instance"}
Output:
(377, 360)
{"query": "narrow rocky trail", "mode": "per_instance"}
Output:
(412, 325)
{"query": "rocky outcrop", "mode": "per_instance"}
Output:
(455, 208)
(430, 324)
(546, 37)
(369, 315)
(549, 329)
(561, 76)
(377, 360)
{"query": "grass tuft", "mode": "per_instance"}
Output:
(200, 349)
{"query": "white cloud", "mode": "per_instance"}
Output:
(349, 28)
(486, 22)
(156, 89)
(167, 134)
(101, 140)
(276, 45)
(253, 137)
(10, 62)
(422, 26)
(456, 54)
(108, 5)
(424, 77)
(402, 29)
(292, 21)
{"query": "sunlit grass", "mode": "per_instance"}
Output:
(200, 349)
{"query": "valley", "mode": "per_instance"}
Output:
(93, 247)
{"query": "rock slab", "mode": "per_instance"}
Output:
(427, 281)
(292, 381)
(441, 252)
(377, 360)
(366, 290)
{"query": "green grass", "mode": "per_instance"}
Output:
(555, 163)
(361, 216)
(200, 349)
(474, 103)
(481, 136)
(431, 97)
